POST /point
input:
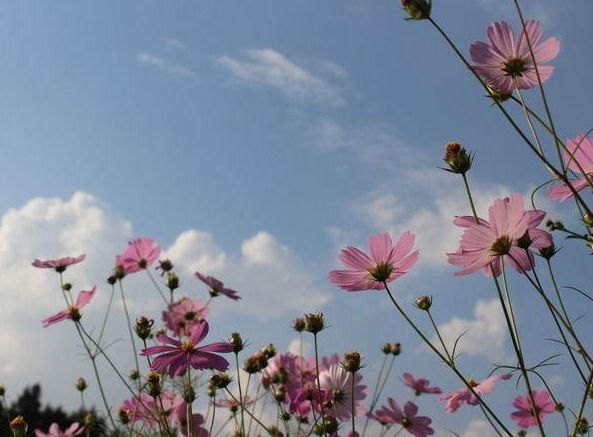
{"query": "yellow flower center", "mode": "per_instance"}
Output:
(187, 345)
(501, 246)
(381, 272)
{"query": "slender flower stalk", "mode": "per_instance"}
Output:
(130, 330)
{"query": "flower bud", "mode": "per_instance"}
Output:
(423, 303)
(458, 160)
(81, 384)
(330, 425)
(284, 416)
(314, 323)
(165, 265)
(548, 252)
(299, 324)
(111, 280)
(396, 349)
(211, 391)
(559, 407)
(134, 374)
(18, 426)
(352, 362)
(582, 426)
(172, 281)
(67, 286)
(188, 393)
(236, 342)
(386, 348)
(143, 327)
(268, 350)
(90, 420)
(119, 272)
(417, 9)
(497, 96)
(588, 220)
(220, 380)
(124, 416)
(154, 384)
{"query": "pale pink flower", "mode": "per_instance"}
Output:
(336, 382)
(73, 311)
(416, 425)
(59, 264)
(505, 63)
(454, 399)
(55, 431)
(526, 415)
(184, 314)
(179, 418)
(139, 254)
(386, 262)
(579, 159)
(234, 405)
(177, 356)
(217, 287)
(420, 385)
(506, 236)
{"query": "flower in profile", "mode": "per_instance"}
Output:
(59, 264)
(183, 314)
(578, 157)
(416, 425)
(139, 254)
(420, 385)
(55, 431)
(526, 414)
(336, 382)
(73, 311)
(233, 405)
(217, 287)
(506, 236)
(386, 262)
(505, 63)
(454, 399)
(177, 356)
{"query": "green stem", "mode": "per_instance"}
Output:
(130, 331)
(252, 415)
(436, 329)
(240, 394)
(319, 382)
(375, 398)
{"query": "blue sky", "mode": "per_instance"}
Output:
(255, 139)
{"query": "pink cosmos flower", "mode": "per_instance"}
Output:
(336, 382)
(418, 426)
(184, 314)
(386, 262)
(525, 416)
(505, 63)
(60, 264)
(55, 431)
(73, 311)
(177, 356)
(578, 158)
(454, 399)
(233, 405)
(139, 254)
(217, 287)
(507, 236)
(420, 385)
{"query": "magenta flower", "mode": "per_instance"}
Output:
(336, 382)
(386, 262)
(59, 265)
(579, 159)
(507, 236)
(505, 63)
(139, 254)
(525, 416)
(177, 356)
(454, 399)
(55, 431)
(420, 385)
(418, 426)
(217, 287)
(184, 314)
(73, 311)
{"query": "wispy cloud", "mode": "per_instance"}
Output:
(271, 68)
(174, 43)
(165, 65)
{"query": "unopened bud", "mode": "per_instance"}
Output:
(458, 160)
(386, 348)
(67, 286)
(417, 9)
(143, 327)
(314, 323)
(588, 220)
(18, 426)
(236, 342)
(220, 380)
(81, 384)
(124, 415)
(119, 272)
(423, 303)
(269, 350)
(134, 374)
(111, 280)
(172, 281)
(352, 362)
(582, 426)
(299, 324)
(396, 349)
(548, 252)
(165, 265)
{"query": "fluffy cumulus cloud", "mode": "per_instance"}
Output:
(264, 271)
(484, 334)
(321, 83)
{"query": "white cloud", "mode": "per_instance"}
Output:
(174, 43)
(165, 65)
(479, 428)
(485, 334)
(271, 68)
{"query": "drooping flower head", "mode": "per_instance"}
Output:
(407, 417)
(177, 356)
(507, 236)
(55, 431)
(578, 158)
(505, 62)
(526, 414)
(386, 262)
(139, 255)
(420, 385)
(59, 264)
(184, 314)
(73, 311)
(336, 382)
(454, 399)
(217, 287)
